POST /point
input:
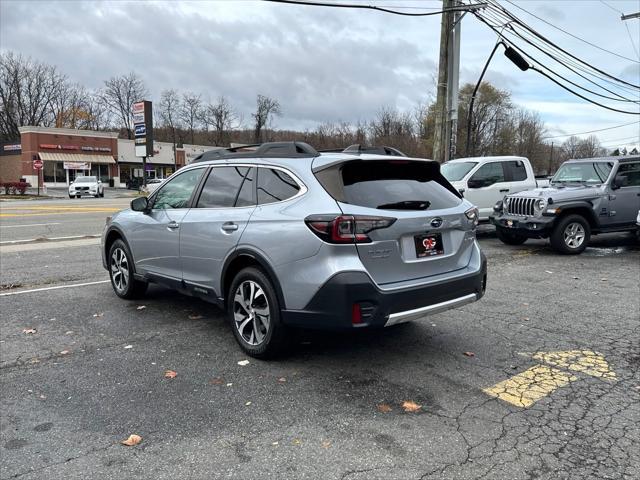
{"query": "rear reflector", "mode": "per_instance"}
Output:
(356, 314)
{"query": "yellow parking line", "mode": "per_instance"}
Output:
(3, 215)
(526, 388)
(585, 361)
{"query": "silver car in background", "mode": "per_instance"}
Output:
(283, 237)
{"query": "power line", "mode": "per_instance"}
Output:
(370, 7)
(620, 97)
(547, 75)
(571, 34)
(592, 131)
(545, 39)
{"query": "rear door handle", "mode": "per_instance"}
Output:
(504, 190)
(173, 225)
(229, 227)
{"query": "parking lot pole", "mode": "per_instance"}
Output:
(144, 171)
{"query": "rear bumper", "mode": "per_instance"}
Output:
(531, 227)
(331, 307)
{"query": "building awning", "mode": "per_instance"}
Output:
(76, 157)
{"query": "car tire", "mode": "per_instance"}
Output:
(510, 238)
(260, 335)
(72, 196)
(102, 194)
(121, 272)
(571, 235)
(78, 196)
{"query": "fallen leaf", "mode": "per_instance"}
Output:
(170, 374)
(29, 331)
(282, 380)
(132, 440)
(384, 408)
(128, 346)
(243, 363)
(64, 352)
(97, 315)
(326, 444)
(141, 307)
(216, 381)
(297, 441)
(195, 316)
(469, 354)
(410, 406)
(247, 404)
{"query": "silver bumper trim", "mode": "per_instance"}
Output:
(430, 309)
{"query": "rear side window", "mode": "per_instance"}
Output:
(223, 186)
(515, 171)
(389, 185)
(632, 172)
(275, 186)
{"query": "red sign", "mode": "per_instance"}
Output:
(49, 145)
(138, 107)
(37, 164)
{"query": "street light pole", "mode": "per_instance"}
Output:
(473, 99)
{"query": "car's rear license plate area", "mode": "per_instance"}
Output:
(428, 245)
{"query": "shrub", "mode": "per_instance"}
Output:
(12, 188)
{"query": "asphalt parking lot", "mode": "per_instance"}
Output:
(540, 379)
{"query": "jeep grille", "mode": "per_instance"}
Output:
(521, 206)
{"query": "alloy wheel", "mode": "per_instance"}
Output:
(119, 269)
(251, 312)
(574, 235)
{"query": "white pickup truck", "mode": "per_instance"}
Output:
(486, 180)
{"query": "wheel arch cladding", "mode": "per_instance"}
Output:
(584, 211)
(243, 259)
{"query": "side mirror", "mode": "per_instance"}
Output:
(140, 204)
(475, 183)
(619, 181)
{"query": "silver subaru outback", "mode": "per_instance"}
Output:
(282, 236)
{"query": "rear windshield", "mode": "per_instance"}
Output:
(389, 185)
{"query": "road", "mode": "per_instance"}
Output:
(93, 373)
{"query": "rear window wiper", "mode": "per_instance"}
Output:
(406, 205)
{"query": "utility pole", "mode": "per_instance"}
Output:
(550, 160)
(453, 84)
(440, 145)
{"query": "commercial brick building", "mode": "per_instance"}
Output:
(68, 153)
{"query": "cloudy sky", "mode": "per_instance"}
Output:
(322, 64)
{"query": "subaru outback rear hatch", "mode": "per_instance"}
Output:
(412, 220)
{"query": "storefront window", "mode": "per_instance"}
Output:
(61, 173)
(100, 171)
(48, 171)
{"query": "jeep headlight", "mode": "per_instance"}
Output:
(541, 204)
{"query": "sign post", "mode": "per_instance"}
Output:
(143, 132)
(37, 166)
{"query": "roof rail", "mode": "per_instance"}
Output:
(358, 149)
(264, 150)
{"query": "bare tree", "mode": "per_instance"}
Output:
(221, 118)
(570, 148)
(266, 108)
(169, 113)
(27, 92)
(190, 112)
(119, 95)
(71, 107)
(589, 147)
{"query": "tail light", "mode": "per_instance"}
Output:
(473, 215)
(346, 228)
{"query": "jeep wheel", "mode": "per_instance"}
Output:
(571, 235)
(510, 238)
(121, 272)
(254, 314)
